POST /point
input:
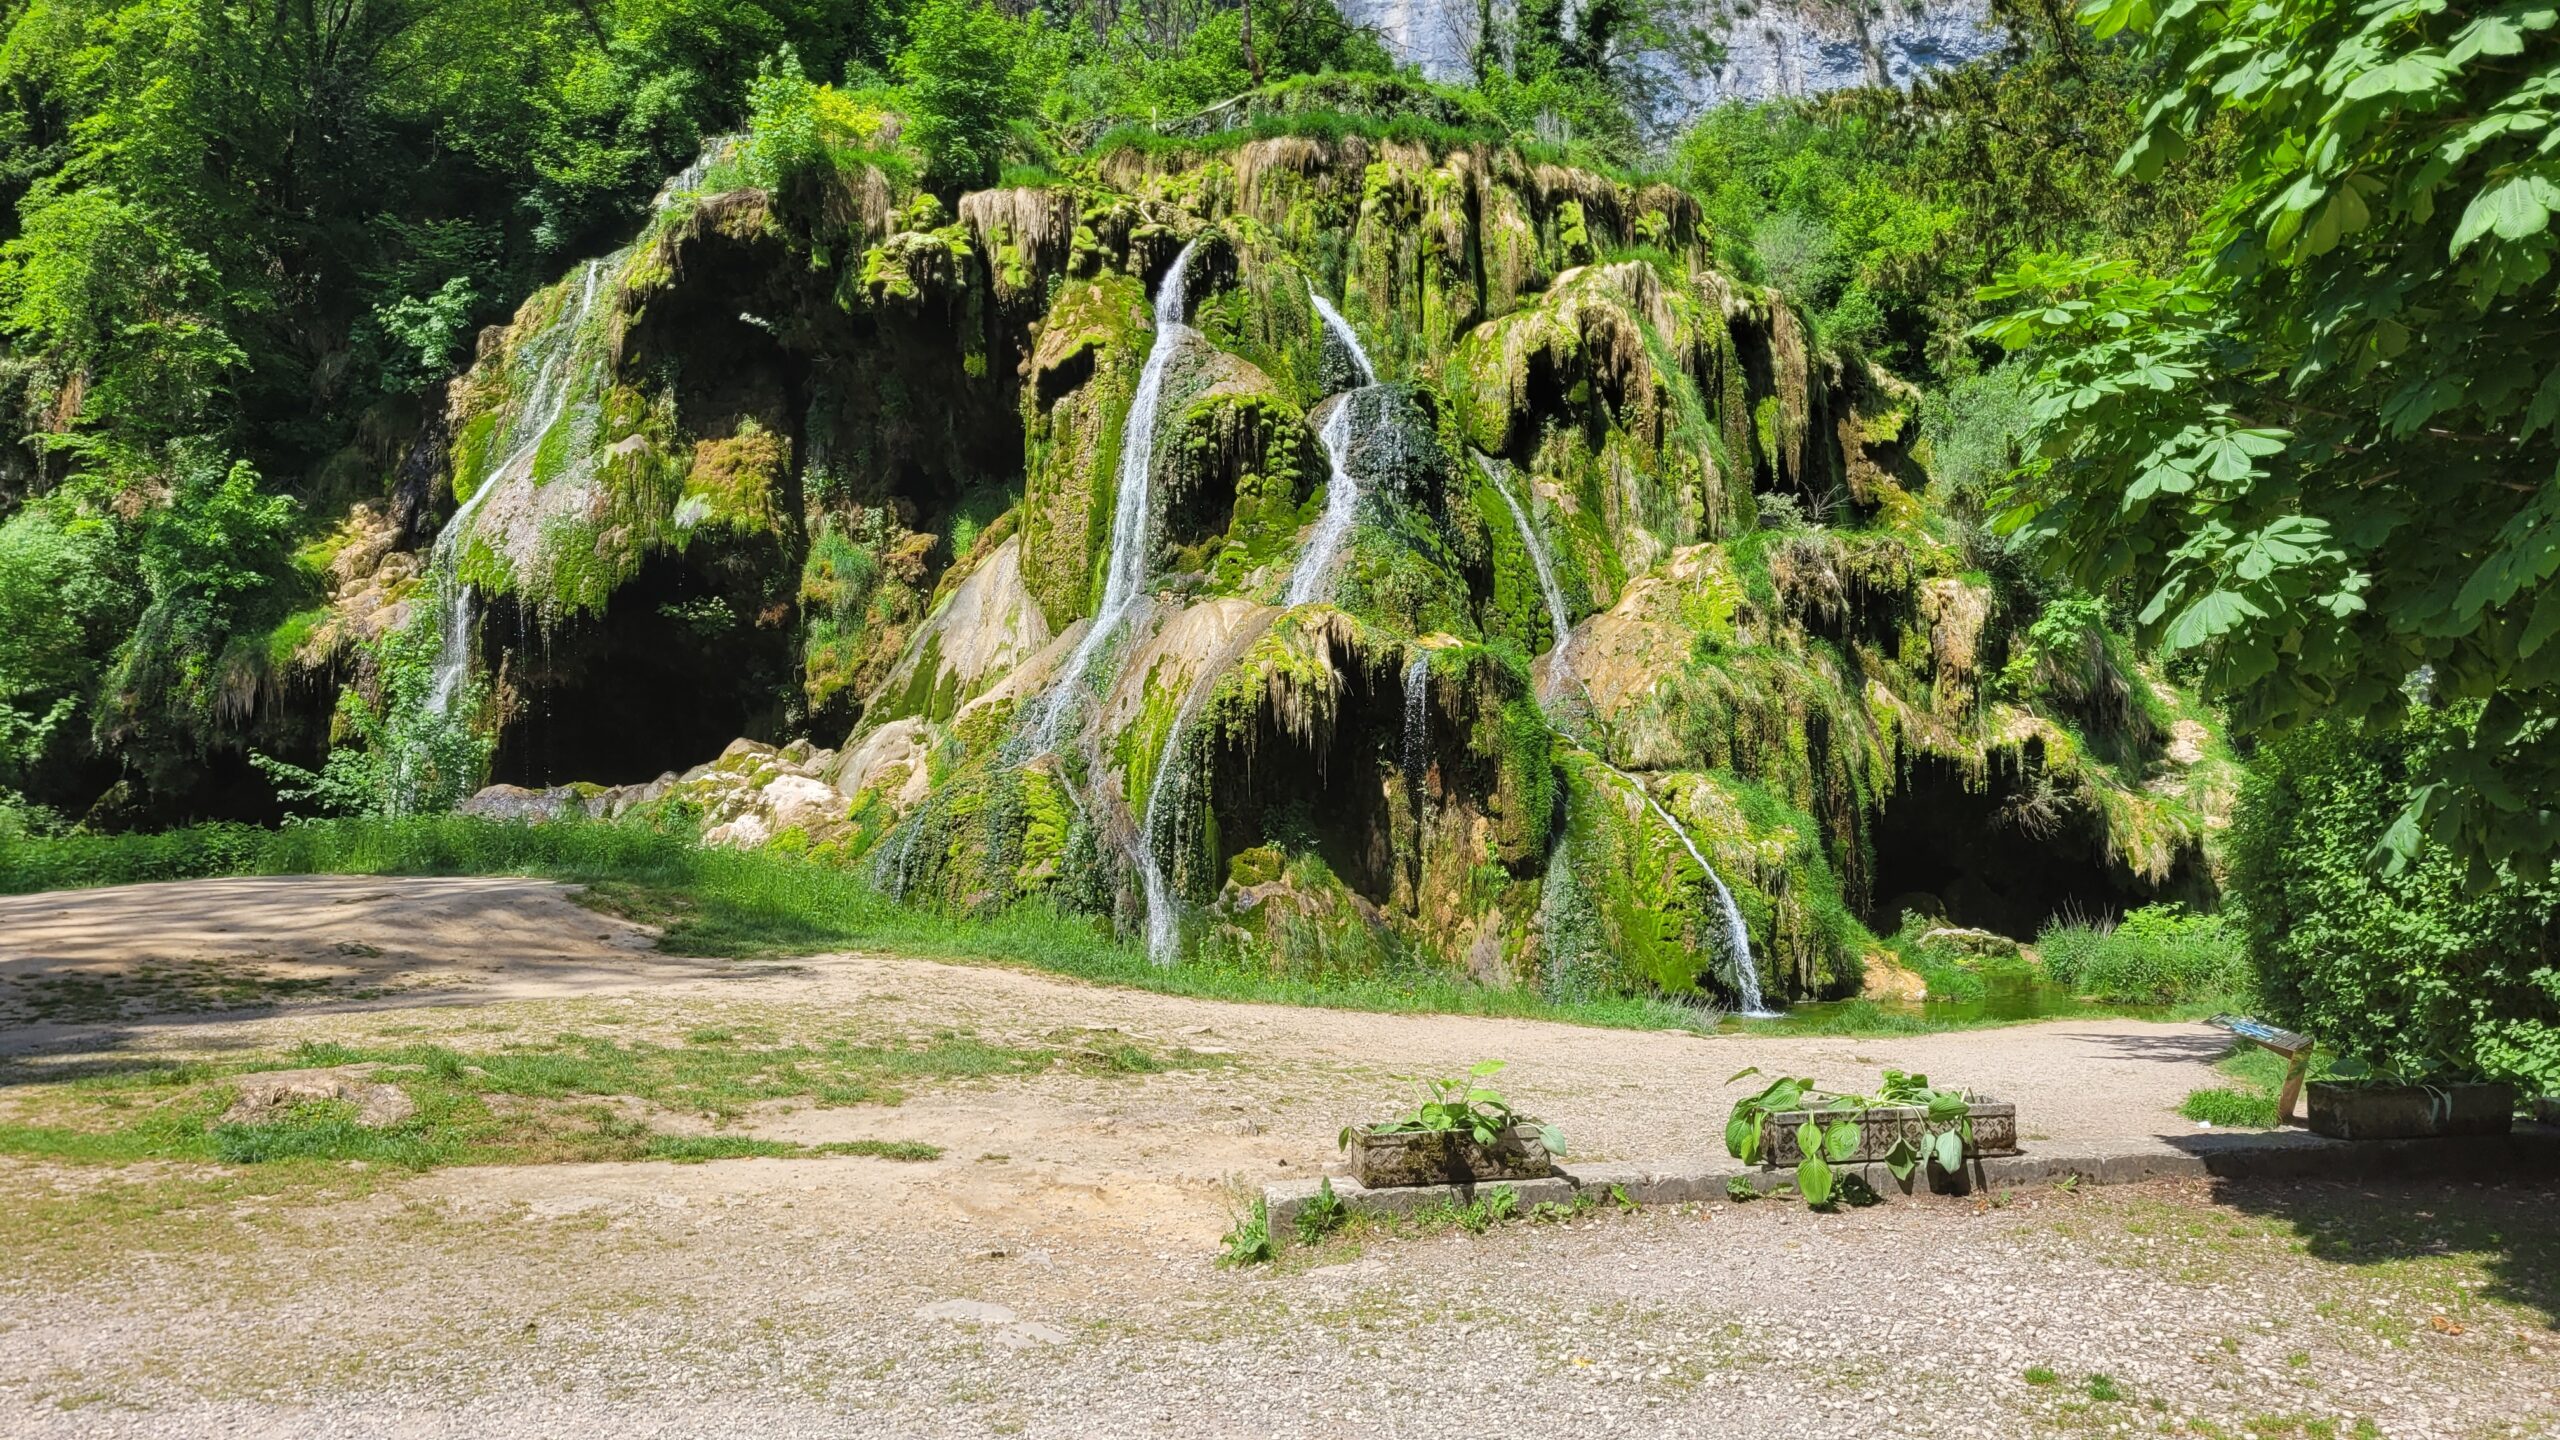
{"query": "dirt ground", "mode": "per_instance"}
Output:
(1052, 1273)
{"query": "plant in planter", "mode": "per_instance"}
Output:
(2364, 1100)
(1462, 1132)
(1908, 1124)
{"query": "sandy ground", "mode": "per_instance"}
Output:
(1052, 1274)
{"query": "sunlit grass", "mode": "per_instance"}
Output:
(741, 904)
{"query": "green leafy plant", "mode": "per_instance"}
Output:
(2316, 458)
(1499, 1204)
(1833, 1129)
(1249, 1242)
(1323, 1214)
(1459, 1105)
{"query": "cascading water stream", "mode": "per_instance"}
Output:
(1557, 616)
(1417, 720)
(1132, 514)
(1341, 330)
(1341, 507)
(1737, 936)
(549, 401)
(1164, 918)
(1342, 489)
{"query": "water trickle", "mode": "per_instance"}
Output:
(1737, 936)
(1164, 917)
(555, 361)
(1557, 615)
(1417, 720)
(1342, 488)
(1341, 330)
(1132, 515)
(1341, 506)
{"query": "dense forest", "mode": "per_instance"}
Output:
(2125, 470)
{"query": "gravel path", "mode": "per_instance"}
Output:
(1052, 1274)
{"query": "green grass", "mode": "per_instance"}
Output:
(2250, 1101)
(736, 904)
(525, 1103)
(2157, 955)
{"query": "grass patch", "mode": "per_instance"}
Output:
(2257, 1077)
(738, 904)
(2244, 1109)
(561, 1100)
(2158, 955)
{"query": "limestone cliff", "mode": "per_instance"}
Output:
(1512, 592)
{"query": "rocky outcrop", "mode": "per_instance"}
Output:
(1790, 699)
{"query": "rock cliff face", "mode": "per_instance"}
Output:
(1773, 49)
(1316, 554)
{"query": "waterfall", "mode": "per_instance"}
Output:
(1130, 516)
(555, 355)
(1417, 720)
(1164, 918)
(1342, 491)
(1341, 505)
(1341, 330)
(1737, 937)
(1557, 615)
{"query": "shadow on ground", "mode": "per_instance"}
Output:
(2507, 1229)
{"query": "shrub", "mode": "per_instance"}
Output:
(2409, 970)
(965, 83)
(2157, 955)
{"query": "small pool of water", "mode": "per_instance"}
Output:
(2005, 999)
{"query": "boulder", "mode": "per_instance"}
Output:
(263, 1097)
(1979, 944)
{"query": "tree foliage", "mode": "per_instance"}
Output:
(2322, 455)
(2412, 971)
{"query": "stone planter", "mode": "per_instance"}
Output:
(1995, 1132)
(1442, 1157)
(2401, 1112)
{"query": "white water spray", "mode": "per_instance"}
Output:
(1341, 330)
(1164, 918)
(1737, 936)
(1342, 489)
(1417, 720)
(1341, 507)
(1131, 516)
(555, 354)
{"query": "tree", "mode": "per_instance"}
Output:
(2321, 456)
(967, 86)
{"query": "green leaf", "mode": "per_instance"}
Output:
(1741, 1133)
(1840, 1141)
(1902, 1159)
(1948, 1152)
(2214, 614)
(1553, 1139)
(1809, 1140)
(1946, 1107)
(2514, 208)
(1813, 1179)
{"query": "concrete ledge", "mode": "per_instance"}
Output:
(2531, 1152)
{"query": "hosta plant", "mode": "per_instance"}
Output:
(1461, 1105)
(1834, 1126)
